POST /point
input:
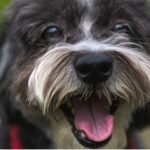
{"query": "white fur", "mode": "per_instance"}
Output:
(86, 3)
(86, 25)
(87, 19)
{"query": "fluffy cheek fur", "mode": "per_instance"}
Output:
(52, 81)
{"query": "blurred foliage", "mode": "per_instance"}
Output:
(3, 4)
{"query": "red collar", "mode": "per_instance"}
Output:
(15, 142)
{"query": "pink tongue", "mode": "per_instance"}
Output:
(94, 119)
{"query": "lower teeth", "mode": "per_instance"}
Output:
(82, 134)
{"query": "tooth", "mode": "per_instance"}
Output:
(82, 135)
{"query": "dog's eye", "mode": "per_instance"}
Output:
(121, 27)
(52, 32)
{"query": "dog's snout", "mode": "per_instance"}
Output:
(94, 68)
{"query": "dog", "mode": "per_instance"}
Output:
(77, 70)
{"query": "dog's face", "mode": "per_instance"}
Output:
(84, 63)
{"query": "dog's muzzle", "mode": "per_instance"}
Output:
(92, 119)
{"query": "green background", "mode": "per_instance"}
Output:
(3, 3)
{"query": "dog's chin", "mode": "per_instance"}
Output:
(91, 120)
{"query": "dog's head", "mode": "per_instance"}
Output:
(84, 63)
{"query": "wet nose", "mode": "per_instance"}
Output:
(94, 68)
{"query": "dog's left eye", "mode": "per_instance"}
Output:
(52, 32)
(121, 27)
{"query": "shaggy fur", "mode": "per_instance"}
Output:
(37, 70)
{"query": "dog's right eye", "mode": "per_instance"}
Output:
(52, 32)
(122, 27)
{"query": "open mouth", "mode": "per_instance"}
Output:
(92, 120)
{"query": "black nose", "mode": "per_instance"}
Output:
(94, 68)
